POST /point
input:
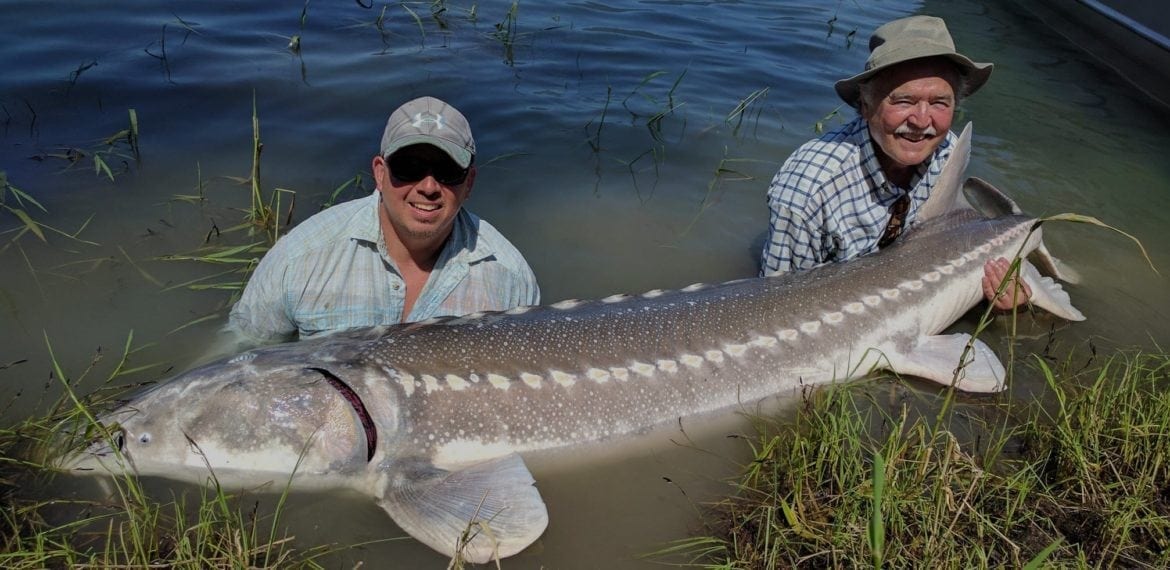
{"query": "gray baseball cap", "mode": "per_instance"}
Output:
(910, 38)
(427, 120)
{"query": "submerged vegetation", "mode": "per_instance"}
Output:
(1081, 481)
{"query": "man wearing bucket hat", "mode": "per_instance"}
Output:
(853, 190)
(407, 252)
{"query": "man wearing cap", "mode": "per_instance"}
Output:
(407, 252)
(853, 190)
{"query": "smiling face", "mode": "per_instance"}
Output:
(910, 108)
(421, 200)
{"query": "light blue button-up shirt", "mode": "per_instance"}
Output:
(831, 202)
(332, 273)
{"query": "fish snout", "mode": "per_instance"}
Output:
(98, 442)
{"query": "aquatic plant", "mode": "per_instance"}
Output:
(1078, 482)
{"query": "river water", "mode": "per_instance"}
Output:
(624, 146)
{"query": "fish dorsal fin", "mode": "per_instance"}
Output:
(945, 195)
(988, 199)
(485, 511)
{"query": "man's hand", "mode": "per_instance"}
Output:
(1015, 293)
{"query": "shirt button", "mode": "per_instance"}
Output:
(394, 286)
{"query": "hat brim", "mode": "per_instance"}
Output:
(457, 153)
(976, 74)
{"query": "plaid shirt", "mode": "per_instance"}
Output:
(332, 272)
(831, 202)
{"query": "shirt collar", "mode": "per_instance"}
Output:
(464, 245)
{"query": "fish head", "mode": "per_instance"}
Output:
(257, 415)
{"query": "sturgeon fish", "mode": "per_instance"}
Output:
(432, 419)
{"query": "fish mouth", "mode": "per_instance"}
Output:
(359, 409)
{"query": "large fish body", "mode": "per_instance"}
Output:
(431, 418)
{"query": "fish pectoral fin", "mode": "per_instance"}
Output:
(484, 511)
(1048, 294)
(942, 359)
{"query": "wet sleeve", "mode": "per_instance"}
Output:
(262, 316)
(793, 244)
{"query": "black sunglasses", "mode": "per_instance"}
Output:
(412, 169)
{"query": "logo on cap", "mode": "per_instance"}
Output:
(424, 118)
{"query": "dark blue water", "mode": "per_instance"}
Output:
(611, 155)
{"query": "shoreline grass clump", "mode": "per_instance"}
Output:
(1082, 481)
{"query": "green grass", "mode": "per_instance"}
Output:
(1082, 481)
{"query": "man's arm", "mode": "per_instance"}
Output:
(260, 316)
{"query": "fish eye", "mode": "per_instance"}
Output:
(144, 438)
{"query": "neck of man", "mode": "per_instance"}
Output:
(899, 175)
(414, 256)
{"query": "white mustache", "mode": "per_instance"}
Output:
(906, 129)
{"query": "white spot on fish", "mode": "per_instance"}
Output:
(958, 262)
(787, 334)
(971, 256)
(564, 379)
(914, 285)
(668, 366)
(431, 320)
(622, 374)
(456, 383)
(932, 276)
(474, 378)
(499, 381)
(531, 379)
(597, 375)
(652, 293)
(872, 300)
(694, 287)
(891, 294)
(735, 349)
(518, 310)
(642, 368)
(615, 298)
(985, 248)
(946, 269)
(692, 360)
(431, 383)
(407, 382)
(810, 327)
(855, 308)
(475, 315)
(566, 304)
(764, 341)
(715, 356)
(833, 318)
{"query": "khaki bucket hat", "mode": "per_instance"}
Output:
(910, 38)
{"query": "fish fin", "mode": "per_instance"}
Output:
(494, 501)
(936, 358)
(1048, 294)
(1050, 266)
(945, 195)
(989, 200)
